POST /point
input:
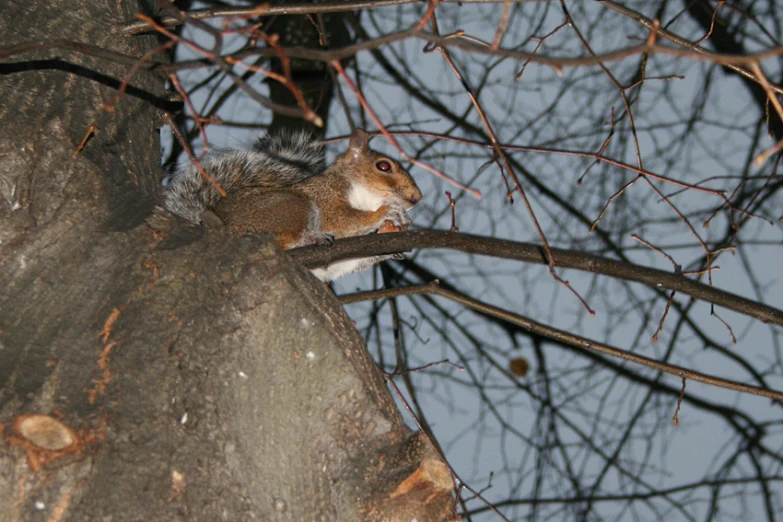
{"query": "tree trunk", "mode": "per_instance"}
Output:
(150, 370)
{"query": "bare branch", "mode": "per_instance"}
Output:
(355, 247)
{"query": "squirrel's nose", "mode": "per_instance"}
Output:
(415, 197)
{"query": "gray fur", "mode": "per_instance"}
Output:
(278, 160)
(274, 161)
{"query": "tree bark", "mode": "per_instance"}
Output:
(150, 370)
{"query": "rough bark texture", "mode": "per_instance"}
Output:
(150, 370)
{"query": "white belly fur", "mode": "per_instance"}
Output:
(341, 268)
(362, 198)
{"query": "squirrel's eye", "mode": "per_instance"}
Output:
(383, 165)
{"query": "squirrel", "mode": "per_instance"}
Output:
(282, 185)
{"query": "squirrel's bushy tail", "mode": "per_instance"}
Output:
(278, 160)
(298, 151)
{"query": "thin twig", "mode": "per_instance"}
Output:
(676, 418)
(582, 342)
(359, 96)
(287, 8)
(194, 160)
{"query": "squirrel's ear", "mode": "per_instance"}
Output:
(358, 145)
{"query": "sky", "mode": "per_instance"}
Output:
(493, 432)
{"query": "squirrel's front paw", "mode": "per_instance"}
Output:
(397, 215)
(389, 227)
(318, 238)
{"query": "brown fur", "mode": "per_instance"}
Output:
(291, 213)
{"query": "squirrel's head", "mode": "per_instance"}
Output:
(382, 176)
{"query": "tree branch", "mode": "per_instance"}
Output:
(289, 8)
(363, 246)
(564, 337)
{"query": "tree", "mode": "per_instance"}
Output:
(152, 369)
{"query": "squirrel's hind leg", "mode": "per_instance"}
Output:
(292, 218)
